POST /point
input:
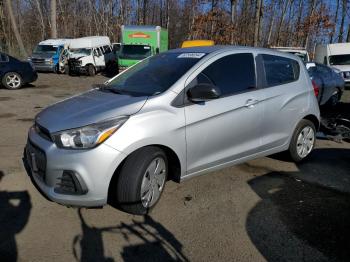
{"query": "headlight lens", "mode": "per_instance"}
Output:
(49, 60)
(88, 136)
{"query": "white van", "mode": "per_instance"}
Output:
(336, 56)
(90, 55)
(298, 51)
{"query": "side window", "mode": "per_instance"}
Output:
(232, 74)
(98, 52)
(106, 49)
(280, 70)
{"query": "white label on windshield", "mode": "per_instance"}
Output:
(146, 47)
(191, 55)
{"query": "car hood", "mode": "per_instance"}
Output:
(343, 68)
(88, 108)
(42, 55)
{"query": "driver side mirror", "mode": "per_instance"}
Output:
(203, 92)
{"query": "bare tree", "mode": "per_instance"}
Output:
(14, 27)
(53, 19)
(257, 21)
(332, 35)
(341, 29)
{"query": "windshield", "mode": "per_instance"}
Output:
(154, 75)
(303, 56)
(45, 49)
(82, 51)
(137, 52)
(339, 60)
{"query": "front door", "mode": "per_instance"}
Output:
(227, 128)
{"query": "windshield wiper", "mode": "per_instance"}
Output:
(114, 90)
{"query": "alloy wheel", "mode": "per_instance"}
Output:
(306, 141)
(153, 182)
(13, 81)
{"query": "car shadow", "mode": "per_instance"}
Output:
(304, 215)
(15, 209)
(157, 243)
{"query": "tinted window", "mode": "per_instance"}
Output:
(155, 74)
(232, 74)
(280, 70)
(45, 49)
(106, 49)
(134, 52)
(339, 60)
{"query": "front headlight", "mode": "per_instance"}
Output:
(49, 60)
(88, 136)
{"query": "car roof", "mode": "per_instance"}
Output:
(223, 48)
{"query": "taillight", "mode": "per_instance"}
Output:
(316, 88)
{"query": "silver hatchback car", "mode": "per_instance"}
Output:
(175, 115)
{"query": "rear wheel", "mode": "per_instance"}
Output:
(142, 180)
(303, 140)
(12, 80)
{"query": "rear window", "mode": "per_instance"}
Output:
(280, 70)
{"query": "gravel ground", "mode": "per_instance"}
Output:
(266, 209)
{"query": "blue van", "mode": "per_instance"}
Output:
(45, 57)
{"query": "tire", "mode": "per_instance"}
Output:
(12, 81)
(91, 71)
(302, 142)
(66, 70)
(135, 178)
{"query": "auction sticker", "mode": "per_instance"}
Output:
(191, 55)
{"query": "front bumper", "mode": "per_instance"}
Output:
(44, 67)
(94, 169)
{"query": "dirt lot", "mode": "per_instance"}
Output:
(266, 209)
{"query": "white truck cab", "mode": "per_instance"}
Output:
(90, 55)
(298, 51)
(336, 56)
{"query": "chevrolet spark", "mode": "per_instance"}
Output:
(172, 116)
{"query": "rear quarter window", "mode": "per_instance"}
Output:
(280, 70)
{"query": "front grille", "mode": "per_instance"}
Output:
(36, 159)
(38, 60)
(43, 132)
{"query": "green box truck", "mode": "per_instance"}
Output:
(139, 42)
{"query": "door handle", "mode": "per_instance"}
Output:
(250, 103)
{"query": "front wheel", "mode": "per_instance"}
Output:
(12, 80)
(91, 71)
(142, 180)
(303, 140)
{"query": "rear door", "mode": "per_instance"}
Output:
(286, 98)
(228, 128)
